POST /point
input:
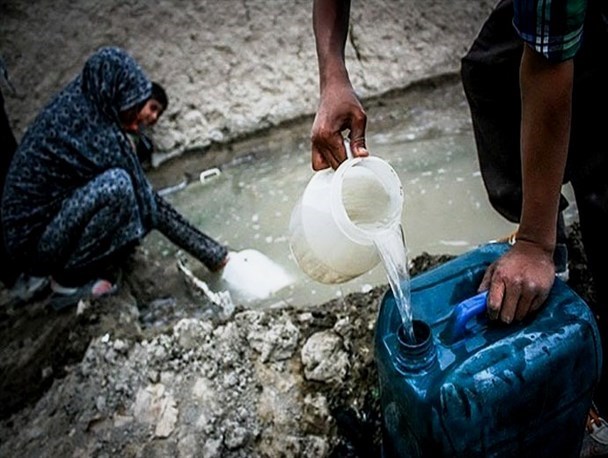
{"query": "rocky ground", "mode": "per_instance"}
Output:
(105, 379)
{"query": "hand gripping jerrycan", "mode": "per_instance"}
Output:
(469, 387)
(333, 225)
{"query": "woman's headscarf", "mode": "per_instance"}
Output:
(75, 138)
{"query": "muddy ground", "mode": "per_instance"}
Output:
(158, 370)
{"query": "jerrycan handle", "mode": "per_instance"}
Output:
(465, 311)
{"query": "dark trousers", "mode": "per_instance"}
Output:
(8, 145)
(95, 228)
(490, 75)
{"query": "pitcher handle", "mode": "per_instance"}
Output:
(349, 152)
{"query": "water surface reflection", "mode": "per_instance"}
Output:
(432, 149)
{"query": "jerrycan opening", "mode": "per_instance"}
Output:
(419, 355)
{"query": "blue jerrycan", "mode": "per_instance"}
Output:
(471, 387)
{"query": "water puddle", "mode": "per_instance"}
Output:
(249, 203)
(248, 207)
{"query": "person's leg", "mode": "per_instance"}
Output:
(95, 225)
(588, 169)
(8, 146)
(490, 77)
(593, 216)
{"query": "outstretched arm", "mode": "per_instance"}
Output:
(520, 281)
(339, 107)
(177, 229)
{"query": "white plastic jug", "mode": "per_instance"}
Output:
(251, 275)
(334, 223)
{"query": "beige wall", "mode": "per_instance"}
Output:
(230, 67)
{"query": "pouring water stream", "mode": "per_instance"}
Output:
(393, 253)
(388, 238)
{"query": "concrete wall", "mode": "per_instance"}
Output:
(230, 67)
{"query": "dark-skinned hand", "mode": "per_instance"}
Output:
(519, 282)
(339, 110)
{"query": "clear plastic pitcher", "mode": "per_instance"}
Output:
(334, 223)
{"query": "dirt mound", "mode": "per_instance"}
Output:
(157, 372)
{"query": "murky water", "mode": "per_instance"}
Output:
(446, 211)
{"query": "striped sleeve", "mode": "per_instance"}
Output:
(553, 28)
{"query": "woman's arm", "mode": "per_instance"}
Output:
(181, 232)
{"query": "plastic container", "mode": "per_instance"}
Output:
(334, 223)
(252, 276)
(475, 388)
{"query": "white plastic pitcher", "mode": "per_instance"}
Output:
(333, 225)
